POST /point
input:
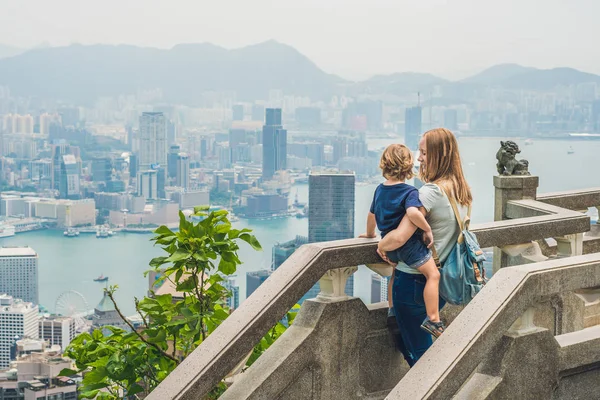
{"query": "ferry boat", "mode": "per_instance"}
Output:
(528, 142)
(71, 232)
(103, 233)
(101, 278)
(6, 230)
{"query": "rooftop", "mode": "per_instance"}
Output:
(16, 251)
(331, 173)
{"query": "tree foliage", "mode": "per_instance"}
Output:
(118, 363)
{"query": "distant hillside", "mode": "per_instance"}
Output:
(548, 79)
(513, 76)
(82, 73)
(9, 51)
(497, 73)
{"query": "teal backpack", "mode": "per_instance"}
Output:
(462, 275)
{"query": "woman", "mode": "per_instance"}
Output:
(441, 171)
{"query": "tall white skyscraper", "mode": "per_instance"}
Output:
(153, 141)
(19, 273)
(18, 319)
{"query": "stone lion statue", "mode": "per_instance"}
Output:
(507, 163)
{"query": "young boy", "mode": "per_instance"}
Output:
(393, 200)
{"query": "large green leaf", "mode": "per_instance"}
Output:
(180, 254)
(163, 230)
(251, 240)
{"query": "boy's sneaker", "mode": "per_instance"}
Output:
(434, 328)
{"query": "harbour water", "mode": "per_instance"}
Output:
(72, 263)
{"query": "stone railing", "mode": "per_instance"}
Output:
(318, 357)
(493, 349)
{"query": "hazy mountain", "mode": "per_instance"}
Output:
(513, 76)
(9, 51)
(497, 73)
(547, 79)
(83, 73)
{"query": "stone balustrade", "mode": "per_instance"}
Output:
(494, 350)
(340, 348)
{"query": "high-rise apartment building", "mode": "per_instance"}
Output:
(274, 141)
(48, 119)
(15, 123)
(153, 141)
(57, 331)
(18, 319)
(412, 127)
(19, 273)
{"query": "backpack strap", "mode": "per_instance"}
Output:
(462, 224)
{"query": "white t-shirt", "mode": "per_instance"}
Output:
(440, 217)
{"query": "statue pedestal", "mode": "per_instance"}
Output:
(512, 188)
(507, 188)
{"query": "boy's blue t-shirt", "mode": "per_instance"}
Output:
(390, 203)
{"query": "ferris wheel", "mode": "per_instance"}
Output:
(72, 304)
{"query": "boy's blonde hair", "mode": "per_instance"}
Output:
(397, 162)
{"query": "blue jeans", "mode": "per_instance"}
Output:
(409, 306)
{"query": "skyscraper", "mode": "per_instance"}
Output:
(254, 279)
(274, 141)
(68, 185)
(18, 319)
(412, 127)
(172, 161)
(147, 184)
(19, 273)
(331, 211)
(153, 140)
(101, 169)
(182, 178)
(331, 206)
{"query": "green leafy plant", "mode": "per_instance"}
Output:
(118, 363)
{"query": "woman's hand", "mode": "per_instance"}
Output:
(367, 235)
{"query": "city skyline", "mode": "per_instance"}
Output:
(453, 39)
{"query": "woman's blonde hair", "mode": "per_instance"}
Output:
(397, 162)
(444, 166)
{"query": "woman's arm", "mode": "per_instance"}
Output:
(398, 236)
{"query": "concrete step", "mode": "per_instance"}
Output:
(478, 387)
(591, 321)
(591, 300)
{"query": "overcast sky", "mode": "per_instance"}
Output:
(352, 38)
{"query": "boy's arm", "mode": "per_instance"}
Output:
(417, 217)
(371, 225)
